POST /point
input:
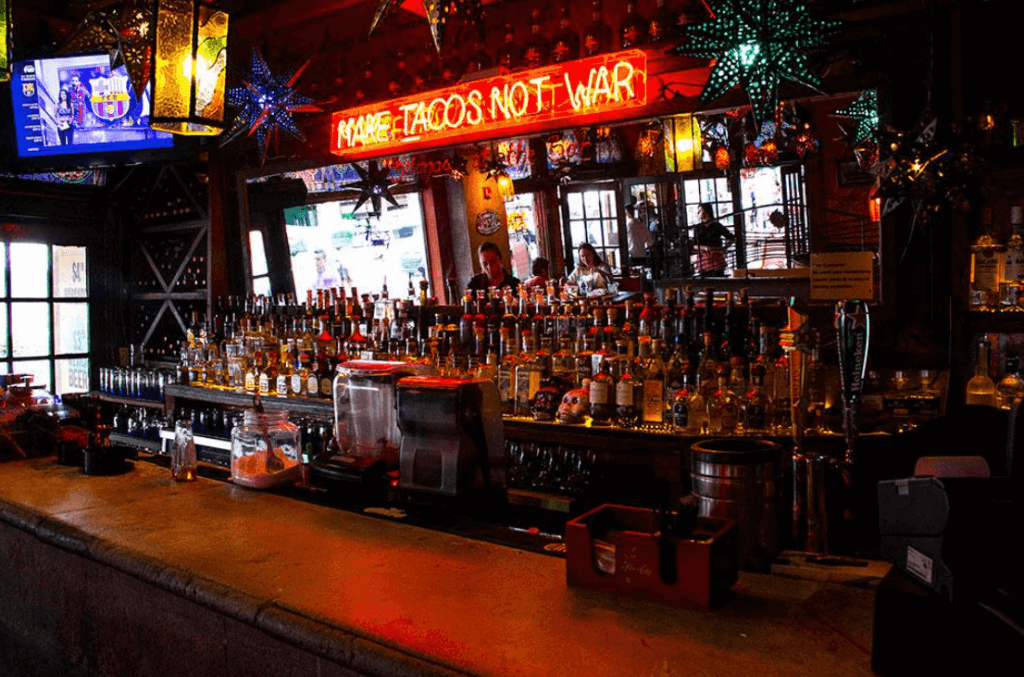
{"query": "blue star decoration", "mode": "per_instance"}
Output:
(374, 184)
(756, 44)
(265, 104)
(864, 112)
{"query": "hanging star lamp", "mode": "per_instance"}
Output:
(756, 44)
(135, 42)
(266, 103)
(863, 112)
(438, 14)
(189, 58)
(5, 40)
(374, 184)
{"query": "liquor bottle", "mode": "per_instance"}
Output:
(268, 376)
(708, 366)
(723, 407)
(565, 45)
(662, 24)
(626, 391)
(653, 371)
(528, 377)
(510, 55)
(602, 405)
(981, 389)
(1010, 291)
(633, 31)
(466, 321)
(597, 36)
(681, 406)
(282, 383)
(697, 411)
(585, 360)
(538, 50)
(781, 413)
(676, 371)
(252, 373)
(755, 402)
(507, 378)
(988, 259)
(1010, 389)
(649, 324)
(563, 361)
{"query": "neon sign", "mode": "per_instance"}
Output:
(586, 91)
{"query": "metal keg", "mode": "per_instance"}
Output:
(738, 478)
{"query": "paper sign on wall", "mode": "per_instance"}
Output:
(845, 275)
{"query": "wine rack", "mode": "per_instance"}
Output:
(169, 277)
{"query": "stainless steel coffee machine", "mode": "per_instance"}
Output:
(452, 438)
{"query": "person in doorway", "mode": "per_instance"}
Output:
(710, 242)
(592, 275)
(326, 275)
(637, 231)
(540, 270)
(494, 275)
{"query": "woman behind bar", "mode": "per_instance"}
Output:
(494, 274)
(592, 274)
(708, 242)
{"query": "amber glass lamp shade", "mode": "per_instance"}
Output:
(506, 187)
(684, 153)
(5, 40)
(189, 59)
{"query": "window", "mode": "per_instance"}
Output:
(260, 271)
(333, 245)
(44, 315)
(591, 213)
(521, 214)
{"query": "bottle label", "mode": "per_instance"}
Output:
(312, 385)
(680, 414)
(598, 392)
(325, 387)
(624, 393)
(250, 381)
(296, 384)
(986, 270)
(281, 387)
(264, 385)
(654, 405)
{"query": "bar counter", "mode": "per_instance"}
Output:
(136, 574)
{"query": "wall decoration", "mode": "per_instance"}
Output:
(265, 104)
(374, 184)
(438, 14)
(488, 222)
(756, 44)
(864, 114)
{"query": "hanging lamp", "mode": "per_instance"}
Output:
(189, 60)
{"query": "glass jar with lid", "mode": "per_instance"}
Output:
(265, 450)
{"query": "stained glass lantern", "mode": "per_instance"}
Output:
(5, 40)
(189, 60)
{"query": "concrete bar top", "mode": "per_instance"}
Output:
(368, 596)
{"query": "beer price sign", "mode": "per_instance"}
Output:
(588, 91)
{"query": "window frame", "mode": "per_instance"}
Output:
(51, 355)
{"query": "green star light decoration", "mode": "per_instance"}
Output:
(863, 111)
(755, 44)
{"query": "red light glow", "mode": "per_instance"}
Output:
(596, 89)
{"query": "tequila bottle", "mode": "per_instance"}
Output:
(653, 372)
(529, 373)
(723, 407)
(602, 405)
(755, 402)
(981, 389)
(988, 261)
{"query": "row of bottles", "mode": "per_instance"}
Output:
(997, 268)
(549, 41)
(982, 389)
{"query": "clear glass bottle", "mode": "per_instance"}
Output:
(507, 377)
(1010, 289)
(755, 402)
(529, 374)
(681, 405)
(626, 386)
(183, 456)
(981, 389)
(585, 360)
(602, 404)
(697, 408)
(653, 373)
(723, 407)
(1010, 389)
(988, 261)
(781, 411)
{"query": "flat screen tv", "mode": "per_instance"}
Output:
(78, 108)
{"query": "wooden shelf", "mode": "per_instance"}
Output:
(300, 406)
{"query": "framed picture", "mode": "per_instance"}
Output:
(849, 173)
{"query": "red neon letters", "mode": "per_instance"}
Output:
(526, 101)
